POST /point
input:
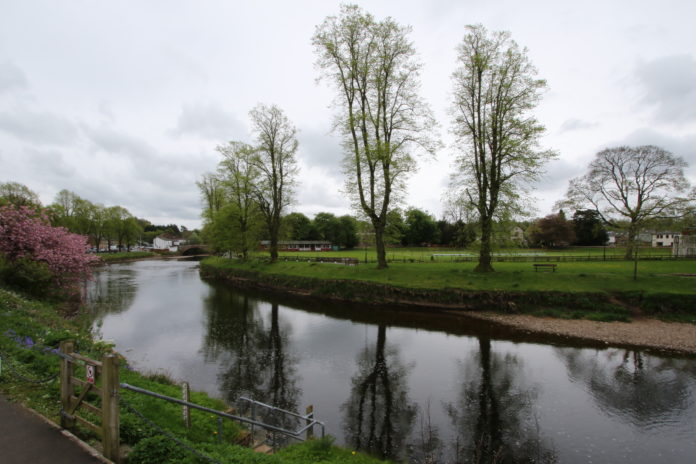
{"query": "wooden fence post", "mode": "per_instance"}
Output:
(110, 416)
(310, 417)
(186, 396)
(66, 386)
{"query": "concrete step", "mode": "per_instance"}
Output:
(263, 448)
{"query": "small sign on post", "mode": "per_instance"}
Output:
(89, 373)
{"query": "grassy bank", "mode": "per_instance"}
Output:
(125, 256)
(30, 329)
(575, 288)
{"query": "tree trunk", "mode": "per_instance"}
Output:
(631, 241)
(274, 246)
(488, 427)
(484, 264)
(273, 223)
(381, 249)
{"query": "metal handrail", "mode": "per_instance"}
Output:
(284, 411)
(293, 434)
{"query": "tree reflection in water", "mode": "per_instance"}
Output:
(252, 352)
(111, 292)
(642, 390)
(379, 415)
(494, 419)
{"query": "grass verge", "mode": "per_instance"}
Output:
(598, 291)
(125, 256)
(30, 329)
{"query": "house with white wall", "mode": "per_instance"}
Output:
(663, 239)
(167, 242)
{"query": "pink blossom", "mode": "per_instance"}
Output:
(25, 233)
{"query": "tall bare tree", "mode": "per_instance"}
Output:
(495, 89)
(276, 145)
(373, 68)
(634, 184)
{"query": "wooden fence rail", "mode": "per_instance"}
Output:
(101, 379)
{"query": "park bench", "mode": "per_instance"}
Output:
(551, 267)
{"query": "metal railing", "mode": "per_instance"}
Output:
(308, 418)
(295, 434)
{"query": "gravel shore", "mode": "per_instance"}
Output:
(646, 333)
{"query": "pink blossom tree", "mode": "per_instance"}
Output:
(26, 234)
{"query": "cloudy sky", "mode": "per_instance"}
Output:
(124, 102)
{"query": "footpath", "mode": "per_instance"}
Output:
(27, 438)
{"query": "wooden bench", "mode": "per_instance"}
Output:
(538, 266)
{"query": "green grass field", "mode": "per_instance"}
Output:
(452, 254)
(591, 276)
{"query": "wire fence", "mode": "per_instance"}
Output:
(462, 258)
(6, 363)
(166, 433)
(26, 343)
(11, 364)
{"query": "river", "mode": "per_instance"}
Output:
(409, 387)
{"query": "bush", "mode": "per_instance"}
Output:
(28, 276)
(157, 449)
(132, 429)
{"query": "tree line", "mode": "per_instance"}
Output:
(383, 122)
(106, 227)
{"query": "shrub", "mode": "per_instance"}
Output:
(154, 449)
(29, 276)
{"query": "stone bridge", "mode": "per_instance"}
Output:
(190, 250)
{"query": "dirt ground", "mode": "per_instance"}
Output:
(648, 333)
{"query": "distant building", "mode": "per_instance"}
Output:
(299, 245)
(167, 242)
(684, 245)
(517, 236)
(663, 239)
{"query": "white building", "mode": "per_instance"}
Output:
(685, 244)
(663, 239)
(167, 242)
(299, 245)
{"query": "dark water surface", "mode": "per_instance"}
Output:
(408, 387)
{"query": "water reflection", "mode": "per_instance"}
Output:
(379, 413)
(493, 416)
(111, 291)
(644, 391)
(252, 351)
(418, 388)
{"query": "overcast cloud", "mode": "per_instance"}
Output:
(669, 84)
(124, 102)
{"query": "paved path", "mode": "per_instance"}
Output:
(26, 438)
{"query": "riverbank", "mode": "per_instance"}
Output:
(125, 256)
(576, 314)
(29, 332)
(653, 334)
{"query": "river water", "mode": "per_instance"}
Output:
(409, 387)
